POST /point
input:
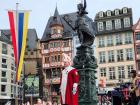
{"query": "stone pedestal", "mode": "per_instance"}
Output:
(86, 64)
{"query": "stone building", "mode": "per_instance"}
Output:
(114, 46)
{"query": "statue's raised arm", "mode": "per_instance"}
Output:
(85, 5)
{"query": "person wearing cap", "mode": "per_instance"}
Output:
(69, 83)
(135, 91)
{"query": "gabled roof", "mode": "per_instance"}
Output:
(135, 26)
(68, 31)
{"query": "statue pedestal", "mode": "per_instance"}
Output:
(86, 64)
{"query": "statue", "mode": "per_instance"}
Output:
(84, 61)
(85, 34)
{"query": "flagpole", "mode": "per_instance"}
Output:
(17, 4)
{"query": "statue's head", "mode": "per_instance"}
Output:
(80, 6)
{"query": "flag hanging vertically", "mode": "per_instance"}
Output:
(18, 27)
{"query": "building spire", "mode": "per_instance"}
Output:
(56, 13)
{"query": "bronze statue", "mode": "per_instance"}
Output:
(85, 35)
(82, 9)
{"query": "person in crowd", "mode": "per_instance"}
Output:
(135, 91)
(69, 83)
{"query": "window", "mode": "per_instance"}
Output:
(102, 57)
(66, 43)
(118, 39)
(137, 35)
(3, 73)
(117, 23)
(58, 44)
(46, 59)
(121, 72)
(46, 46)
(109, 25)
(120, 55)
(108, 13)
(127, 22)
(111, 56)
(12, 52)
(129, 54)
(128, 38)
(138, 49)
(4, 60)
(4, 63)
(103, 72)
(3, 88)
(13, 65)
(26, 53)
(109, 41)
(101, 14)
(54, 31)
(100, 26)
(53, 59)
(4, 48)
(130, 68)
(124, 10)
(101, 42)
(112, 74)
(58, 58)
(55, 44)
(117, 12)
(32, 52)
(51, 45)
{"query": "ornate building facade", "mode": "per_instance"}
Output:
(114, 46)
(136, 29)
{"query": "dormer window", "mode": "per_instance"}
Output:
(117, 12)
(101, 14)
(108, 13)
(124, 10)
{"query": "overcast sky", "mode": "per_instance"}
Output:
(41, 10)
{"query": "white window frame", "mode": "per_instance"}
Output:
(108, 13)
(118, 39)
(103, 72)
(117, 12)
(102, 57)
(128, 38)
(120, 55)
(101, 42)
(126, 22)
(130, 68)
(129, 54)
(100, 26)
(110, 40)
(111, 56)
(101, 14)
(121, 72)
(117, 23)
(125, 10)
(109, 25)
(112, 73)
